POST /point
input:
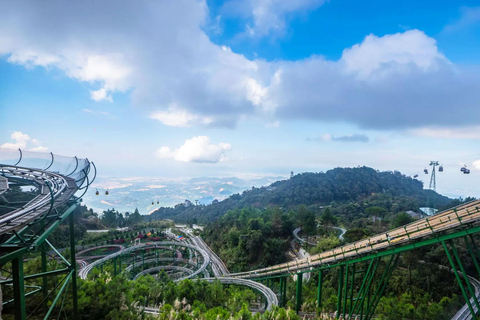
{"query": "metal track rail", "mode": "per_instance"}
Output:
(55, 191)
(83, 273)
(462, 215)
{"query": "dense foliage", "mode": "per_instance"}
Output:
(250, 237)
(120, 298)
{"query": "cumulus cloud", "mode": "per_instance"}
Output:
(400, 49)
(159, 52)
(101, 94)
(175, 117)
(395, 88)
(476, 164)
(266, 17)
(197, 149)
(24, 142)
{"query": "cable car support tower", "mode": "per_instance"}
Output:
(433, 183)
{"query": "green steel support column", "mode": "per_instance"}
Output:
(368, 302)
(472, 255)
(298, 297)
(385, 273)
(284, 295)
(339, 298)
(381, 286)
(319, 290)
(361, 309)
(353, 285)
(458, 279)
(101, 268)
(19, 289)
(474, 245)
(367, 290)
(73, 267)
(62, 289)
(465, 276)
(361, 291)
(44, 270)
(345, 298)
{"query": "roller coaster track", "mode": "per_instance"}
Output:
(83, 273)
(209, 257)
(218, 267)
(464, 215)
(55, 191)
(27, 218)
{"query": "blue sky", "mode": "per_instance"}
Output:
(241, 87)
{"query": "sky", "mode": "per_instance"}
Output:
(245, 88)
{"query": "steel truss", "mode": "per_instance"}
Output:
(26, 227)
(362, 280)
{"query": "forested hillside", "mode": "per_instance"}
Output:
(339, 186)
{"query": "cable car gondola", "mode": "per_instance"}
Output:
(415, 176)
(467, 171)
(425, 171)
(440, 169)
(158, 202)
(462, 169)
(106, 192)
(97, 193)
(153, 203)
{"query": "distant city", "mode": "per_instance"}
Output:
(148, 194)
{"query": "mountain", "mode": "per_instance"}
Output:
(339, 185)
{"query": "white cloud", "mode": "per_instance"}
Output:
(20, 139)
(392, 88)
(268, 16)
(39, 149)
(326, 137)
(163, 57)
(23, 141)
(99, 95)
(476, 164)
(410, 47)
(175, 117)
(198, 149)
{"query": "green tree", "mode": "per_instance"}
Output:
(327, 219)
(401, 219)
